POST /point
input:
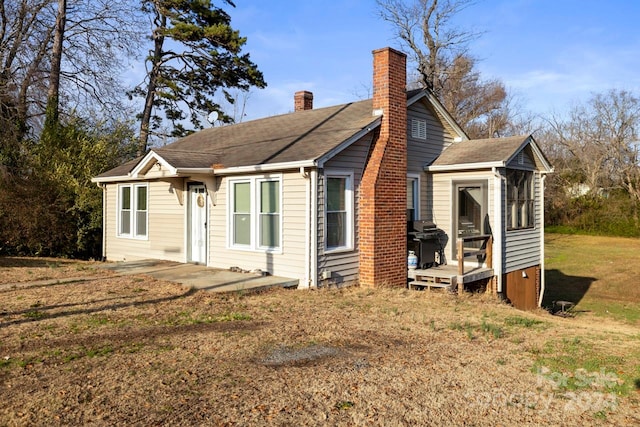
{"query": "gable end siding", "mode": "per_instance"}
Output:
(527, 163)
(421, 152)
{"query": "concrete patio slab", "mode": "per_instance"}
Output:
(199, 276)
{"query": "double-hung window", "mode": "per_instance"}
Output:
(520, 199)
(339, 211)
(255, 213)
(133, 211)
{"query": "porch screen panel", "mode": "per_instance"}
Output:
(141, 211)
(242, 213)
(336, 212)
(270, 214)
(125, 210)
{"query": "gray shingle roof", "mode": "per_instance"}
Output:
(481, 151)
(298, 136)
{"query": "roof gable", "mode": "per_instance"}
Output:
(447, 120)
(490, 152)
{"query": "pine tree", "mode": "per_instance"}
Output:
(195, 54)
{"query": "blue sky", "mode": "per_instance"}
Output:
(549, 53)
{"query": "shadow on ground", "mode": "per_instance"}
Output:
(32, 262)
(560, 287)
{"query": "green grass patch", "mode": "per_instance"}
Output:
(344, 404)
(190, 318)
(228, 317)
(598, 274)
(485, 328)
(100, 351)
(574, 364)
(90, 352)
(35, 314)
(492, 329)
(98, 321)
(524, 322)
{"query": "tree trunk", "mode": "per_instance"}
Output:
(156, 60)
(53, 94)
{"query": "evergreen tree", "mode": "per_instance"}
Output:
(205, 56)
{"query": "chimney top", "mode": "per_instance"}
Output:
(303, 100)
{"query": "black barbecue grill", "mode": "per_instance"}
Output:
(426, 240)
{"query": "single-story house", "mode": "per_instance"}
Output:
(325, 195)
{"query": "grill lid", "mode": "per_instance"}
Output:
(421, 226)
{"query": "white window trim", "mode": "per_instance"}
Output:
(416, 194)
(133, 220)
(419, 129)
(349, 201)
(254, 183)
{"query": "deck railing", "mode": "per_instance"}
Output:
(485, 250)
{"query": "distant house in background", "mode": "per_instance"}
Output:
(324, 195)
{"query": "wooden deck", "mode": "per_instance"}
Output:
(446, 276)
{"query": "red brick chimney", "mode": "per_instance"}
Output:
(383, 189)
(303, 100)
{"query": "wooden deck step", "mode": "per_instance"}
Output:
(429, 284)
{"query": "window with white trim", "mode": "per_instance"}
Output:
(133, 211)
(520, 199)
(419, 128)
(255, 213)
(338, 211)
(413, 198)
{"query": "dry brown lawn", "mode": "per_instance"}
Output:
(137, 351)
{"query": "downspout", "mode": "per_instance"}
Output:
(104, 221)
(313, 270)
(307, 229)
(499, 228)
(542, 280)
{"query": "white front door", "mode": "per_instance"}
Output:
(197, 232)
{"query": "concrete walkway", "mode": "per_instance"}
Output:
(199, 276)
(189, 275)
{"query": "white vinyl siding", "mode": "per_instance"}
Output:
(254, 217)
(165, 226)
(132, 211)
(289, 259)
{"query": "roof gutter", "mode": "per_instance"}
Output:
(99, 180)
(192, 171)
(178, 174)
(465, 166)
(270, 167)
